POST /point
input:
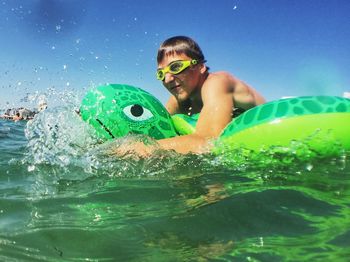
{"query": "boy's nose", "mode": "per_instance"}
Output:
(169, 77)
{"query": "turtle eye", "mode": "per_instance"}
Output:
(137, 112)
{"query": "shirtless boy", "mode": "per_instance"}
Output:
(217, 96)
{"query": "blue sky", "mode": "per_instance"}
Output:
(280, 47)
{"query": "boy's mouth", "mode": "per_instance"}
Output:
(174, 87)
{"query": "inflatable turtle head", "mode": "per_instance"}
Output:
(118, 110)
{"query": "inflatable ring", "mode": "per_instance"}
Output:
(321, 121)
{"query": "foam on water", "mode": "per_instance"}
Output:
(62, 149)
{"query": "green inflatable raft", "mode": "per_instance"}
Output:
(323, 122)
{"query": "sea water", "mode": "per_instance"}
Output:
(66, 197)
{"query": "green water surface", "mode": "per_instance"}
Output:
(270, 207)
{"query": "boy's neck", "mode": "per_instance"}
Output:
(196, 95)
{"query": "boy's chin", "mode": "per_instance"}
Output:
(181, 97)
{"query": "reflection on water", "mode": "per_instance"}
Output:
(62, 198)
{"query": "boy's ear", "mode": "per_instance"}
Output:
(203, 68)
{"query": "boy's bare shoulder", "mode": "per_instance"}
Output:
(221, 81)
(222, 75)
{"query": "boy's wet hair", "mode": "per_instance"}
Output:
(180, 45)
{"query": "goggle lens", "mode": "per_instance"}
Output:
(160, 75)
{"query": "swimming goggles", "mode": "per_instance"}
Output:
(175, 67)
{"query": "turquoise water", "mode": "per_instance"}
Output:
(64, 198)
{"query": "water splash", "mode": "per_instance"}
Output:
(57, 136)
(61, 147)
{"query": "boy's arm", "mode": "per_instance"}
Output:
(172, 106)
(217, 96)
(214, 117)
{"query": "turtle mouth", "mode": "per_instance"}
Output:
(105, 128)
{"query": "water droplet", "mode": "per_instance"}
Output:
(309, 167)
(31, 168)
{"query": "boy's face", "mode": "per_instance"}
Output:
(183, 84)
